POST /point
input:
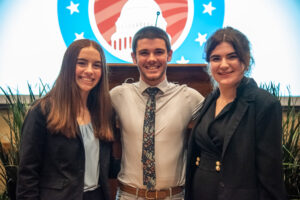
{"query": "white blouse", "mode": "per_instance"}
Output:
(92, 164)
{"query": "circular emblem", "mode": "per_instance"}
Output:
(113, 23)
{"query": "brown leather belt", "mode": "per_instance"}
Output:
(151, 194)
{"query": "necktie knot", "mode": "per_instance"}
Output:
(152, 91)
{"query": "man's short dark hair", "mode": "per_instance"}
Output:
(150, 32)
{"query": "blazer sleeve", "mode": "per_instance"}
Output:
(192, 153)
(31, 154)
(269, 150)
(116, 150)
(115, 166)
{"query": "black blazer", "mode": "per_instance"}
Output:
(52, 165)
(251, 160)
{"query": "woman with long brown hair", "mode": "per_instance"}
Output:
(66, 136)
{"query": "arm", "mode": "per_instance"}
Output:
(31, 155)
(269, 151)
(197, 101)
(116, 154)
(115, 158)
(191, 158)
(115, 165)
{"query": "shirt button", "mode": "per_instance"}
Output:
(197, 161)
(218, 166)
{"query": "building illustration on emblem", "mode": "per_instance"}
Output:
(134, 15)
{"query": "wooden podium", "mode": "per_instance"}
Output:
(193, 75)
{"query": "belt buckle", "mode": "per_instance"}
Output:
(146, 194)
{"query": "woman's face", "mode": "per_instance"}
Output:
(88, 69)
(226, 68)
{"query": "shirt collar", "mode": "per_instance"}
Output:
(162, 86)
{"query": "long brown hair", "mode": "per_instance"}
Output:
(63, 101)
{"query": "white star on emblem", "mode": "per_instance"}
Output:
(79, 36)
(208, 8)
(182, 61)
(201, 38)
(73, 7)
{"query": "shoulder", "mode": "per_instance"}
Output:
(262, 98)
(193, 92)
(261, 95)
(264, 101)
(121, 89)
(39, 110)
(189, 97)
(125, 92)
(35, 110)
(190, 93)
(35, 118)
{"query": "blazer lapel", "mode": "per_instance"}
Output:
(241, 108)
(79, 134)
(104, 153)
(209, 99)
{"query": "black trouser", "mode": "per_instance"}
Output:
(94, 194)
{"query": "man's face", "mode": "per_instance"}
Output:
(151, 58)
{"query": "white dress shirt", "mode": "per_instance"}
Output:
(176, 105)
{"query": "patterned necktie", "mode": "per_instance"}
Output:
(148, 158)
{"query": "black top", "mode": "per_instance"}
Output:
(209, 137)
(210, 131)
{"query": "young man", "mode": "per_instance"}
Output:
(175, 106)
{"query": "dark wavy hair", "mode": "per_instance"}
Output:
(237, 39)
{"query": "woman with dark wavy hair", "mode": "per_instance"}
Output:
(235, 149)
(66, 136)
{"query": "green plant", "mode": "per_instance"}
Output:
(17, 108)
(4, 197)
(290, 143)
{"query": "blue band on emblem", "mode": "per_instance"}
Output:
(74, 22)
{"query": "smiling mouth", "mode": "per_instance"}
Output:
(152, 67)
(87, 80)
(224, 73)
